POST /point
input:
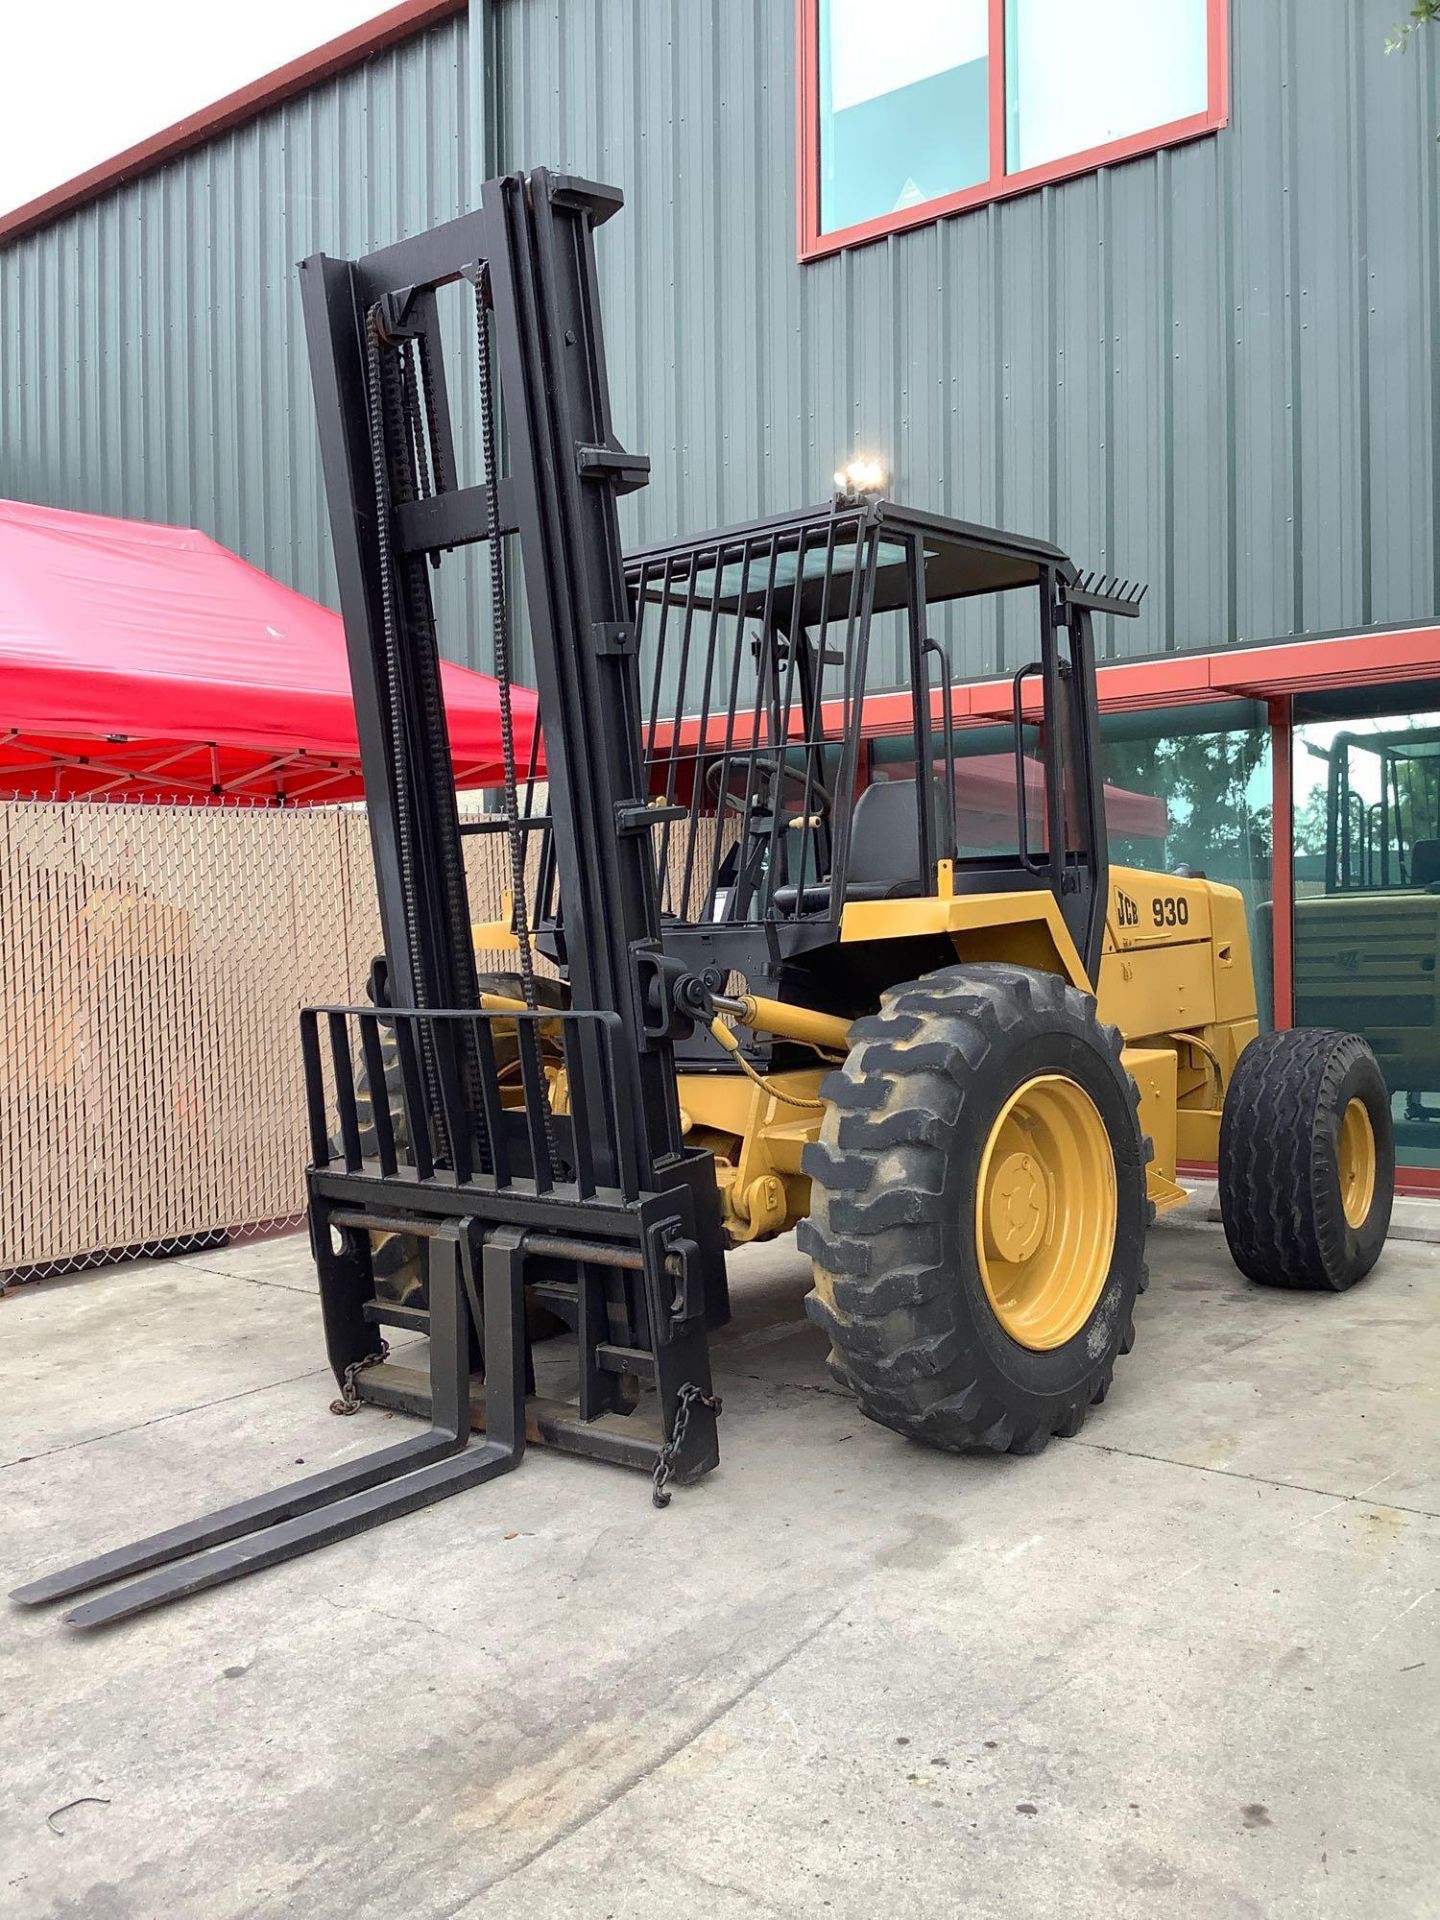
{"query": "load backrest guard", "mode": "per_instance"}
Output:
(607, 1158)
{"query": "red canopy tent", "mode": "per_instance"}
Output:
(149, 663)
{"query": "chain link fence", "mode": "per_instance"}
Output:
(153, 964)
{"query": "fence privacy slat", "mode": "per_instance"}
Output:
(154, 961)
(153, 964)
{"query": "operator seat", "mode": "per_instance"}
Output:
(1425, 863)
(884, 851)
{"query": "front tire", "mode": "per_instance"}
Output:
(1307, 1160)
(978, 1210)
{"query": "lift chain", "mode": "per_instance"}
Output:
(500, 623)
(349, 1401)
(500, 634)
(665, 1460)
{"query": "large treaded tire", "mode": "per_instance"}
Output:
(891, 1232)
(1279, 1182)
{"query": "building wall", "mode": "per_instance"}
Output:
(1212, 368)
(152, 351)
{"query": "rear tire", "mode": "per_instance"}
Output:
(902, 1189)
(1307, 1160)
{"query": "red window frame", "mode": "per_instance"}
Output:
(813, 244)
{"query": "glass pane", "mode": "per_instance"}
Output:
(1081, 73)
(1367, 902)
(1191, 787)
(759, 580)
(904, 104)
(985, 785)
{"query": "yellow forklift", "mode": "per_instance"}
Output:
(786, 993)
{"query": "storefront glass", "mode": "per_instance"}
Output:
(1191, 787)
(1367, 889)
(1184, 786)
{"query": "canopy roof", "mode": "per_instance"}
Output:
(962, 559)
(148, 662)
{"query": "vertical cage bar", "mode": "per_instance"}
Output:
(537, 1101)
(491, 1102)
(672, 762)
(697, 774)
(627, 1165)
(417, 1106)
(784, 703)
(345, 1091)
(812, 708)
(746, 556)
(314, 1088)
(920, 684)
(745, 878)
(581, 1095)
(379, 1091)
(856, 667)
(452, 1105)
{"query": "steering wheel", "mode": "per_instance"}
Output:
(766, 780)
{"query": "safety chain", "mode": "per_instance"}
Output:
(665, 1460)
(349, 1401)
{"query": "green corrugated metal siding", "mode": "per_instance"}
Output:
(1213, 368)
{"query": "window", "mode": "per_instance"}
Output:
(914, 108)
(1366, 868)
(1192, 786)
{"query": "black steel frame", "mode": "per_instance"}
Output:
(806, 588)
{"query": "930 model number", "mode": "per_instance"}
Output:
(1170, 910)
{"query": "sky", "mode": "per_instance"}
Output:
(84, 79)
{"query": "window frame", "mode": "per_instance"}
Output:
(815, 245)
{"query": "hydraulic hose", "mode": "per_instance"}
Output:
(731, 1045)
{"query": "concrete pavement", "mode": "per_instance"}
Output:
(1186, 1664)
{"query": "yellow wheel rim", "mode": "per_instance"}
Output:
(1045, 1224)
(1357, 1163)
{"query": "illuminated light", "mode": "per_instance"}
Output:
(864, 474)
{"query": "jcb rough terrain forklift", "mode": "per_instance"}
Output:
(786, 994)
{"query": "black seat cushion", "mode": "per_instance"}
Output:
(884, 850)
(885, 841)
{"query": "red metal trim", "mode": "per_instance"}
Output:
(322, 63)
(1192, 679)
(1282, 861)
(1417, 1182)
(1264, 673)
(1172, 680)
(1219, 50)
(807, 157)
(996, 75)
(814, 244)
